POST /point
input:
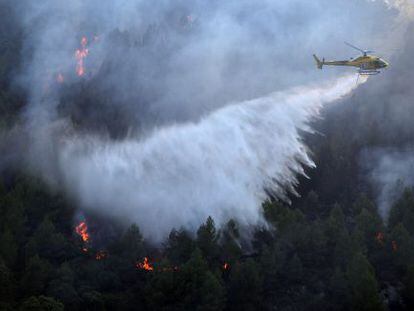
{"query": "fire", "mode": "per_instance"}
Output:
(380, 238)
(80, 55)
(101, 255)
(82, 230)
(145, 265)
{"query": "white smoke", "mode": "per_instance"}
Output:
(390, 172)
(405, 7)
(220, 166)
(216, 160)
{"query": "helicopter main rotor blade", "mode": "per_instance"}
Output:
(357, 48)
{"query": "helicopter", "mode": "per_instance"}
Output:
(368, 64)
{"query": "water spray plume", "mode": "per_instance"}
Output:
(223, 166)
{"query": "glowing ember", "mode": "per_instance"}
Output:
(101, 255)
(82, 230)
(226, 266)
(145, 265)
(394, 246)
(380, 238)
(170, 269)
(60, 78)
(80, 55)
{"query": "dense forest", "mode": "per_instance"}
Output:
(328, 250)
(314, 257)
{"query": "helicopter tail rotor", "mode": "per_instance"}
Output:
(319, 63)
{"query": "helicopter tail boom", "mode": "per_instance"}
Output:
(319, 63)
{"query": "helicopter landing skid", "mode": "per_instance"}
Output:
(368, 72)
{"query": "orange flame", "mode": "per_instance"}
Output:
(145, 265)
(82, 230)
(80, 54)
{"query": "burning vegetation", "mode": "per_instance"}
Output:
(82, 231)
(145, 265)
(80, 56)
(101, 255)
(380, 238)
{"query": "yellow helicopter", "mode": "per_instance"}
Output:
(368, 64)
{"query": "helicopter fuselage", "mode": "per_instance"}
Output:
(368, 62)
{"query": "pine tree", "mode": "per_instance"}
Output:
(35, 275)
(7, 285)
(245, 287)
(179, 247)
(200, 289)
(207, 241)
(363, 284)
(41, 303)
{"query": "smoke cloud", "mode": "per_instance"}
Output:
(170, 122)
(391, 171)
